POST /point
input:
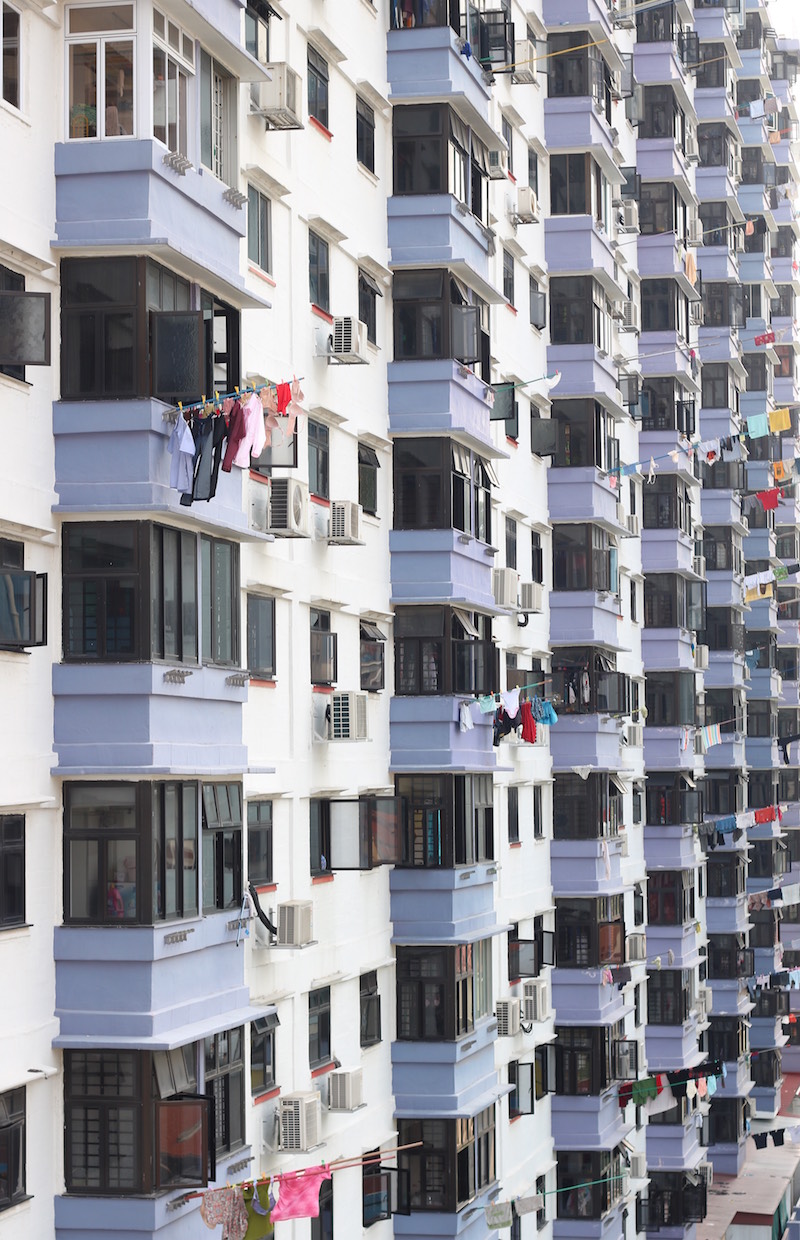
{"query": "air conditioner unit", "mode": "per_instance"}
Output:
(701, 1007)
(737, 167)
(504, 586)
(498, 165)
(527, 205)
(531, 595)
(706, 1170)
(300, 1121)
(699, 565)
(638, 1166)
(524, 62)
(636, 947)
(707, 995)
(346, 1090)
(507, 1012)
(629, 216)
(348, 717)
(288, 508)
(695, 230)
(278, 100)
(348, 342)
(625, 14)
(690, 148)
(259, 506)
(632, 522)
(344, 528)
(535, 1005)
(635, 736)
(628, 314)
(701, 658)
(295, 920)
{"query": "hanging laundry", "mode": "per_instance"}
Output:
(465, 723)
(225, 1206)
(528, 723)
(299, 1194)
(510, 700)
(763, 338)
(710, 735)
(777, 1136)
(487, 704)
(711, 1085)
(528, 1205)
(209, 436)
(780, 419)
(767, 814)
(757, 425)
(749, 228)
(236, 433)
(254, 438)
(283, 396)
(782, 469)
(734, 452)
(771, 106)
(775, 138)
(256, 1202)
(769, 502)
(181, 448)
(760, 1140)
(499, 1214)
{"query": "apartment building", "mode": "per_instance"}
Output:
(354, 790)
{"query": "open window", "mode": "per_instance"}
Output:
(23, 609)
(522, 1076)
(183, 1153)
(177, 355)
(625, 1060)
(387, 1191)
(364, 833)
(24, 328)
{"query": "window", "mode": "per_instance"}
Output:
(130, 853)
(173, 79)
(11, 64)
(444, 650)
(319, 821)
(224, 1082)
(370, 1003)
(436, 316)
(368, 294)
(23, 600)
(446, 821)
(317, 89)
(319, 1027)
(261, 636)
(110, 310)
(521, 1077)
(324, 660)
(513, 814)
(372, 643)
(218, 95)
(259, 229)
(670, 699)
(101, 70)
(533, 166)
(439, 485)
(259, 842)
(507, 133)
(368, 466)
(579, 312)
(133, 1123)
(12, 1145)
(585, 435)
(318, 272)
(455, 1162)
(537, 558)
(583, 559)
(262, 1054)
(589, 932)
(256, 30)
(318, 459)
(12, 872)
(385, 1189)
(586, 809)
(365, 134)
(541, 1191)
(538, 816)
(508, 276)
(222, 846)
(442, 992)
(670, 897)
(322, 1225)
(219, 582)
(589, 1184)
(538, 304)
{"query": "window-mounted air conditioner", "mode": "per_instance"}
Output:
(628, 314)
(288, 508)
(635, 737)
(624, 14)
(633, 524)
(535, 1005)
(508, 1017)
(346, 343)
(531, 595)
(629, 216)
(527, 211)
(638, 1166)
(525, 61)
(295, 922)
(299, 1116)
(498, 165)
(706, 1170)
(348, 721)
(344, 527)
(636, 947)
(701, 658)
(504, 587)
(695, 230)
(278, 100)
(346, 1090)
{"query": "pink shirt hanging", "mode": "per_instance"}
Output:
(254, 436)
(299, 1194)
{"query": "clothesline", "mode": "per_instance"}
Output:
(219, 397)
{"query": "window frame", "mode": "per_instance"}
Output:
(221, 837)
(372, 657)
(223, 1080)
(262, 1054)
(12, 41)
(440, 654)
(13, 1142)
(324, 649)
(370, 1031)
(217, 598)
(259, 638)
(365, 134)
(260, 839)
(368, 466)
(319, 1027)
(100, 40)
(12, 846)
(318, 81)
(25, 600)
(319, 458)
(25, 325)
(259, 229)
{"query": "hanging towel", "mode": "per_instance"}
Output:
(487, 704)
(225, 1206)
(769, 499)
(710, 735)
(283, 397)
(756, 109)
(780, 419)
(757, 425)
(528, 1205)
(711, 1083)
(782, 470)
(528, 723)
(299, 1194)
(761, 339)
(767, 814)
(499, 1214)
(465, 723)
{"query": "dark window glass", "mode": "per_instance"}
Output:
(259, 229)
(513, 814)
(372, 645)
(508, 277)
(12, 1145)
(324, 649)
(259, 841)
(318, 459)
(318, 272)
(370, 1002)
(11, 61)
(261, 636)
(224, 1077)
(262, 1055)
(322, 1225)
(365, 134)
(222, 846)
(219, 582)
(12, 871)
(317, 89)
(368, 466)
(319, 823)
(319, 1027)
(368, 293)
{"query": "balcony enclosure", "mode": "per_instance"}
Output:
(674, 1199)
(670, 801)
(444, 651)
(437, 316)
(447, 820)
(590, 1058)
(670, 897)
(729, 958)
(439, 485)
(726, 876)
(722, 549)
(576, 68)
(584, 681)
(589, 1184)
(728, 1038)
(588, 809)
(724, 628)
(725, 792)
(584, 558)
(666, 405)
(674, 602)
(668, 996)
(436, 153)
(725, 707)
(667, 505)
(585, 435)
(590, 933)
(671, 699)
